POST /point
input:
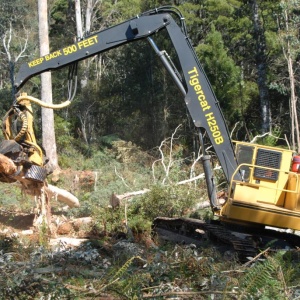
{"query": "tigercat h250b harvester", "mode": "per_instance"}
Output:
(263, 187)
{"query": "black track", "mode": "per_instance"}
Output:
(245, 241)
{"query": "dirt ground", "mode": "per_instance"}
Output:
(20, 224)
(15, 222)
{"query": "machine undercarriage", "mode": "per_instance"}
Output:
(245, 242)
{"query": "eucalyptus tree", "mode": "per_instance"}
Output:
(288, 35)
(48, 132)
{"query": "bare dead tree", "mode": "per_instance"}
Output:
(165, 162)
(8, 38)
(287, 36)
(86, 125)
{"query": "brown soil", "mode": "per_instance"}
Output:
(15, 222)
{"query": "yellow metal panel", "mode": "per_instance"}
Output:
(246, 193)
(263, 214)
(292, 199)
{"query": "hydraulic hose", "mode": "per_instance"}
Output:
(24, 126)
(209, 178)
(42, 103)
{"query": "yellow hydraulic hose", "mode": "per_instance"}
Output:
(24, 96)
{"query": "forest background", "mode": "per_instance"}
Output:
(250, 52)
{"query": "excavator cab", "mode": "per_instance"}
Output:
(268, 192)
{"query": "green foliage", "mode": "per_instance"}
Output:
(165, 201)
(64, 139)
(138, 223)
(122, 9)
(222, 8)
(62, 25)
(43, 234)
(221, 70)
(124, 283)
(265, 280)
(108, 140)
(69, 156)
(6, 97)
(22, 283)
(272, 140)
(12, 12)
(137, 100)
(11, 196)
(59, 11)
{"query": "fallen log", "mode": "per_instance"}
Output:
(67, 242)
(62, 195)
(7, 166)
(115, 200)
(206, 204)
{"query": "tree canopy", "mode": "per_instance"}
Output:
(242, 46)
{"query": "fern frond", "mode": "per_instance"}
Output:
(125, 267)
(263, 278)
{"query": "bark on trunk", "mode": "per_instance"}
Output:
(88, 18)
(78, 19)
(7, 166)
(293, 98)
(49, 142)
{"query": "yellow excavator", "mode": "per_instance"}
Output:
(263, 182)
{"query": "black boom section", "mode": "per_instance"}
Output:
(202, 102)
(199, 96)
(126, 32)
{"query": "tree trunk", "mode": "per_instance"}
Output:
(261, 62)
(49, 142)
(8, 168)
(84, 115)
(293, 98)
(78, 19)
(88, 18)
(293, 108)
(290, 51)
